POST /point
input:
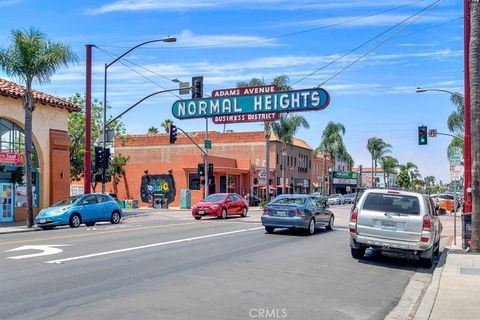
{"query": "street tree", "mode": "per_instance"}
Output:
(332, 143)
(152, 130)
(282, 82)
(403, 179)
(285, 130)
(76, 132)
(377, 148)
(117, 170)
(474, 67)
(166, 125)
(31, 57)
(389, 165)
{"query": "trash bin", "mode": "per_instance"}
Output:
(185, 199)
(466, 230)
(128, 204)
(121, 203)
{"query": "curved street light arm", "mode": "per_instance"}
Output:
(419, 89)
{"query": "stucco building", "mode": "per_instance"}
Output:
(51, 159)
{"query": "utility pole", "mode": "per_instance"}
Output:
(474, 115)
(87, 160)
(467, 145)
(207, 185)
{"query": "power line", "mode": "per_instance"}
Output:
(286, 34)
(363, 44)
(426, 9)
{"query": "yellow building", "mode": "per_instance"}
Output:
(51, 160)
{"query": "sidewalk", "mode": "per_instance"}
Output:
(454, 290)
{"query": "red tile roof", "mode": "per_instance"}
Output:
(11, 89)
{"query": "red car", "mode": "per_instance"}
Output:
(221, 205)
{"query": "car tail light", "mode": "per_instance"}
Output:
(267, 211)
(353, 219)
(424, 239)
(299, 213)
(427, 223)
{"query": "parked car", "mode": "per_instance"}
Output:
(401, 222)
(220, 205)
(297, 211)
(335, 199)
(349, 198)
(73, 211)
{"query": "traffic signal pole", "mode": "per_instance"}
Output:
(206, 159)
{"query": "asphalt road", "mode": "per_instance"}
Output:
(168, 266)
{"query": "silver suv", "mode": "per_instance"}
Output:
(401, 222)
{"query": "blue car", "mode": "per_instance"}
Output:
(73, 211)
(297, 211)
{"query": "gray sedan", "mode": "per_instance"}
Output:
(297, 211)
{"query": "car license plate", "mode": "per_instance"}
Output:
(281, 213)
(43, 220)
(387, 224)
(201, 212)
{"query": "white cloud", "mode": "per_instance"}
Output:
(188, 39)
(190, 5)
(6, 3)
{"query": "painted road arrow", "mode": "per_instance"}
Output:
(46, 250)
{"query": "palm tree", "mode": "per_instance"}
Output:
(377, 148)
(456, 121)
(474, 68)
(285, 130)
(152, 130)
(332, 143)
(389, 165)
(282, 83)
(32, 57)
(166, 125)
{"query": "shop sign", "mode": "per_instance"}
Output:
(345, 181)
(306, 183)
(276, 102)
(11, 158)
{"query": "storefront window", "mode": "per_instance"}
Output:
(233, 183)
(12, 139)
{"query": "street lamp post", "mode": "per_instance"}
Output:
(166, 39)
(467, 151)
(284, 154)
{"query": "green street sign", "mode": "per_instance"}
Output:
(208, 144)
(283, 101)
(345, 175)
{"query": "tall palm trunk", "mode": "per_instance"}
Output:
(475, 121)
(267, 160)
(28, 104)
(283, 169)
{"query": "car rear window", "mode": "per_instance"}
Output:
(446, 196)
(296, 201)
(392, 203)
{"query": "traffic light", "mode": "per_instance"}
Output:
(210, 170)
(197, 87)
(107, 157)
(422, 135)
(99, 158)
(173, 134)
(201, 169)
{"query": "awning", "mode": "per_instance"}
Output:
(281, 186)
(265, 188)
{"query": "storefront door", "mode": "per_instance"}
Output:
(223, 184)
(6, 202)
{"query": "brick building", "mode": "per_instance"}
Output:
(238, 158)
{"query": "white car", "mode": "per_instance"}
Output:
(335, 199)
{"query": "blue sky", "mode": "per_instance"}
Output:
(230, 41)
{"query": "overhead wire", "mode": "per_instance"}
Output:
(364, 44)
(289, 33)
(419, 15)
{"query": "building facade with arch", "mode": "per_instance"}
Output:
(51, 154)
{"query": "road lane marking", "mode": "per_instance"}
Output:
(46, 250)
(152, 245)
(91, 232)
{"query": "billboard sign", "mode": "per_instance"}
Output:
(277, 102)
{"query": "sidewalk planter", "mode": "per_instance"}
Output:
(466, 230)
